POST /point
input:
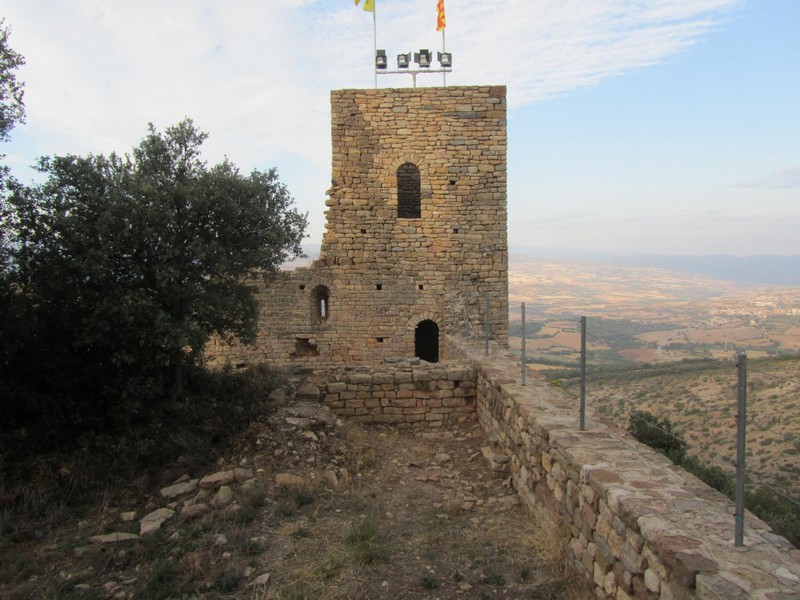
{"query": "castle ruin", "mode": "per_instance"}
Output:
(414, 262)
(415, 245)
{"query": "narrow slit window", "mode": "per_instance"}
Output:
(409, 192)
(320, 304)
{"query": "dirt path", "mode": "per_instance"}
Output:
(419, 514)
(362, 513)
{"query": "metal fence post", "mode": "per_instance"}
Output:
(741, 422)
(524, 357)
(583, 375)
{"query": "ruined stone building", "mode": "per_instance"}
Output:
(413, 254)
(415, 244)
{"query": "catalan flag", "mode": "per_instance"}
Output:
(369, 5)
(440, 23)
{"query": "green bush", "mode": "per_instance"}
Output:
(658, 434)
(712, 475)
(215, 407)
(781, 513)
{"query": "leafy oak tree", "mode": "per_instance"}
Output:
(123, 266)
(12, 111)
(12, 107)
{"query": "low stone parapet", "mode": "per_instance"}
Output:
(639, 526)
(400, 391)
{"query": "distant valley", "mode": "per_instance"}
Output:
(646, 314)
(664, 342)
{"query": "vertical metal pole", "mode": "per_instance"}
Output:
(375, 45)
(741, 473)
(583, 375)
(524, 357)
(444, 49)
(467, 332)
(486, 326)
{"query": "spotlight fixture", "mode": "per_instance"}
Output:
(445, 59)
(423, 58)
(403, 60)
(380, 59)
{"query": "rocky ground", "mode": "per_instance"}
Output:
(304, 506)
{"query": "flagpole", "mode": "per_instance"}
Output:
(444, 49)
(441, 24)
(375, 44)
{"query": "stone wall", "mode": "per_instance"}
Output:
(640, 527)
(383, 273)
(404, 391)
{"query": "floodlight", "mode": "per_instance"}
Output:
(380, 59)
(423, 58)
(445, 59)
(403, 60)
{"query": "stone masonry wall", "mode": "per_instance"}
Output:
(640, 527)
(409, 391)
(385, 274)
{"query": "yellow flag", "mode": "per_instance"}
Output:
(369, 5)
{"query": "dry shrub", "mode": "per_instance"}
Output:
(361, 452)
(550, 538)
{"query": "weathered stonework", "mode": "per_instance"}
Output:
(382, 269)
(639, 526)
(416, 236)
(413, 391)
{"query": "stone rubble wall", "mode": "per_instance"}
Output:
(402, 391)
(640, 527)
(385, 273)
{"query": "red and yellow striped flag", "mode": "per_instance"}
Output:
(440, 15)
(369, 5)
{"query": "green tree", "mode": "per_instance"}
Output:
(12, 111)
(658, 434)
(780, 512)
(12, 108)
(123, 266)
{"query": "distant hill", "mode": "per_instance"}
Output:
(765, 269)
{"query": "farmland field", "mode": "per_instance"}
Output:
(666, 343)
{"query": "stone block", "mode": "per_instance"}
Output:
(711, 586)
(389, 418)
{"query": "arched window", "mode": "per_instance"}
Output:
(408, 191)
(426, 341)
(320, 304)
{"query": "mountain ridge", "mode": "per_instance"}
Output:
(757, 269)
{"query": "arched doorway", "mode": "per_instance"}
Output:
(426, 341)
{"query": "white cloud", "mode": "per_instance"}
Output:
(788, 177)
(256, 75)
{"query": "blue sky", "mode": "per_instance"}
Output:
(635, 126)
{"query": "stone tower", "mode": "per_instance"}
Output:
(415, 243)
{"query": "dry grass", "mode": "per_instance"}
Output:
(702, 406)
(417, 517)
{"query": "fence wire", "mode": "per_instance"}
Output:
(592, 372)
